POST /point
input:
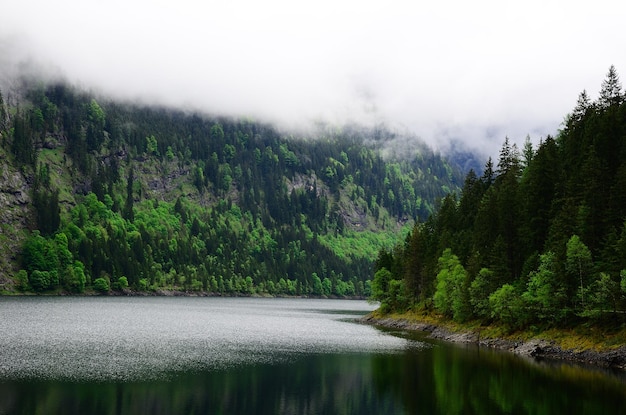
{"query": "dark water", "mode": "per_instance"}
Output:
(264, 356)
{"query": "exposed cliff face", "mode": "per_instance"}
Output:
(14, 216)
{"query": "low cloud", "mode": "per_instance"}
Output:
(451, 72)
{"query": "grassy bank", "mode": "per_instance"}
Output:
(605, 337)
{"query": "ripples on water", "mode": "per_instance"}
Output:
(148, 338)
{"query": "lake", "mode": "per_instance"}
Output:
(186, 355)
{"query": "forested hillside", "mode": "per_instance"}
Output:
(103, 195)
(538, 239)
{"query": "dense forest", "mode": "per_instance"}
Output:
(122, 196)
(535, 241)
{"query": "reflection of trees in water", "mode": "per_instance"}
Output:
(455, 380)
(324, 384)
(443, 379)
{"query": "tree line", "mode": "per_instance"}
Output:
(540, 238)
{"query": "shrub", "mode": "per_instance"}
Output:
(101, 285)
(122, 283)
(40, 280)
(21, 280)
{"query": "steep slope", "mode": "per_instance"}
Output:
(153, 198)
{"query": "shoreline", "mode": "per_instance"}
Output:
(172, 293)
(535, 348)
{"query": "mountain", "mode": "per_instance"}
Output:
(102, 195)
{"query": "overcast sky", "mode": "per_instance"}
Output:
(474, 71)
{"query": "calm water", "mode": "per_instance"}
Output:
(264, 356)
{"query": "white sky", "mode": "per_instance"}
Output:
(475, 71)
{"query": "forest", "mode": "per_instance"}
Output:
(538, 240)
(126, 197)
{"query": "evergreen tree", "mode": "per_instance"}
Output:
(611, 90)
(583, 105)
(130, 198)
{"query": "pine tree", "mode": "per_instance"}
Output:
(505, 160)
(611, 90)
(582, 106)
(488, 175)
(528, 152)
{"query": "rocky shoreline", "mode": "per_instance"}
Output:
(536, 348)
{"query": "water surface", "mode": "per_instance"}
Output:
(265, 356)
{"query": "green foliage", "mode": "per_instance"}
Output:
(21, 280)
(380, 285)
(604, 293)
(579, 263)
(151, 145)
(545, 292)
(479, 291)
(169, 153)
(122, 283)
(327, 286)
(39, 254)
(96, 114)
(101, 285)
(74, 278)
(42, 280)
(317, 289)
(144, 284)
(505, 305)
(451, 296)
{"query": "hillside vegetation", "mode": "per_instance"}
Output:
(102, 195)
(538, 241)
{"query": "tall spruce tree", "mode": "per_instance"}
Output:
(611, 90)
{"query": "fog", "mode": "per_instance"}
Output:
(454, 73)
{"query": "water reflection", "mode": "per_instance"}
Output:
(437, 380)
(449, 379)
(323, 384)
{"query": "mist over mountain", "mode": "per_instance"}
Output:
(153, 198)
(442, 72)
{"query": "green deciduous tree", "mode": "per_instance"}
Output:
(317, 284)
(380, 288)
(479, 291)
(579, 263)
(604, 293)
(101, 285)
(74, 278)
(505, 305)
(451, 295)
(41, 280)
(545, 293)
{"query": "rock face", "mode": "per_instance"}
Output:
(535, 348)
(14, 213)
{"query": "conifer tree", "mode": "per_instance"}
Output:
(582, 106)
(611, 90)
(128, 207)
